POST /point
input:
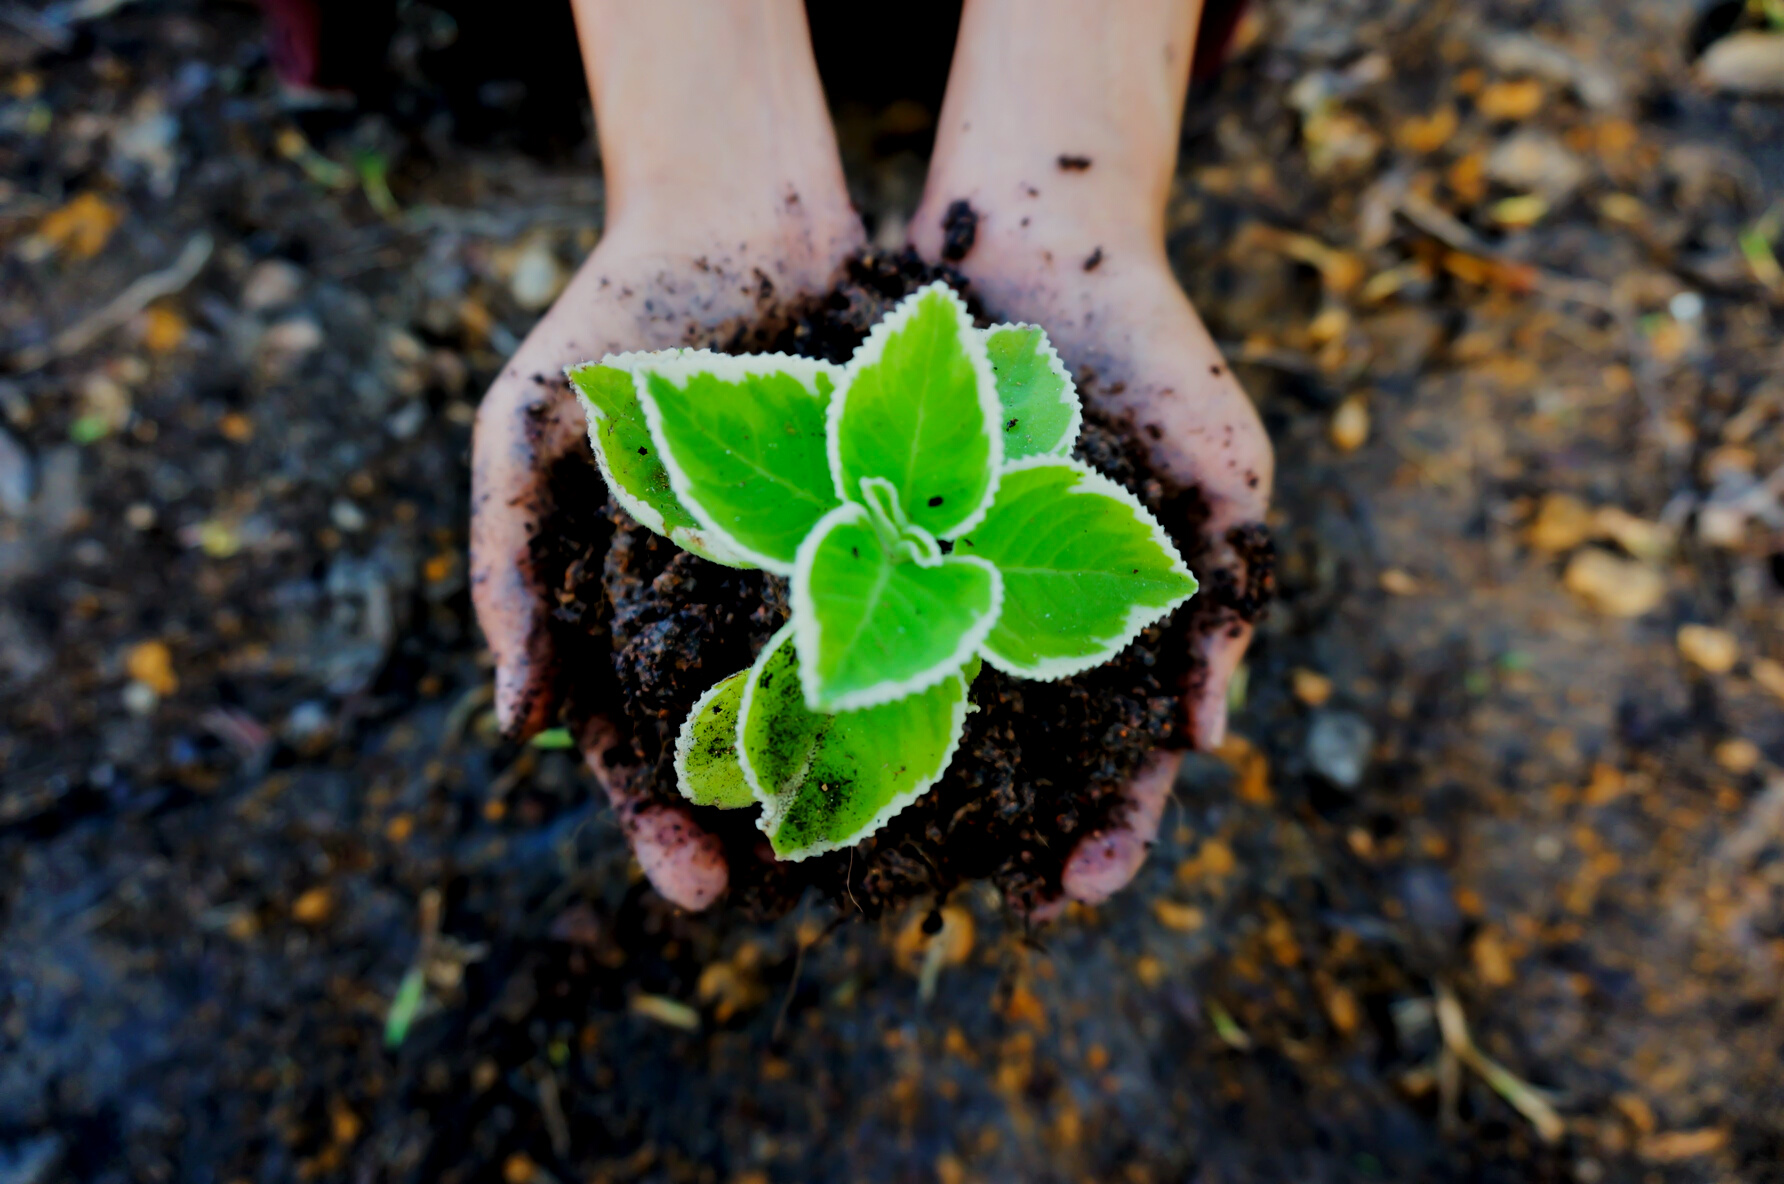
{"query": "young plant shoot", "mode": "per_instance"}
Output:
(923, 502)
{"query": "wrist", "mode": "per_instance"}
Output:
(708, 107)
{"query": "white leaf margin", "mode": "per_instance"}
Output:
(774, 805)
(684, 738)
(642, 512)
(869, 352)
(805, 623)
(1065, 446)
(1139, 616)
(683, 364)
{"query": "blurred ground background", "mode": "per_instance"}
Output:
(1488, 886)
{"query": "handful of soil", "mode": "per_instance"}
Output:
(645, 628)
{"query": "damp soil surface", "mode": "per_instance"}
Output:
(1040, 763)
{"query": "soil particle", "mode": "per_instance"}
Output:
(960, 228)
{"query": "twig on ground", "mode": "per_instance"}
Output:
(1523, 1097)
(142, 292)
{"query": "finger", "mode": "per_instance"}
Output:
(683, 861)
(1104, 861)
(526, 422)
(1206, 707)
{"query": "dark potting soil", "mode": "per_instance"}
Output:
(646, 628)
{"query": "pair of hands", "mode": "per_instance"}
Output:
(1061, 247)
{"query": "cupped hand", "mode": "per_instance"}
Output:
(650, 284)
(1121, 323)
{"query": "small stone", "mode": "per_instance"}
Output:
(1714, 650)
(1535, 162)
(1612, 585)
(1738, 755)
(1338, 745)
(140, 698)
(307, 720)
(1562, 523)
(272, 284)
(537, 276)
(18, 475)
(293, 338)
(1310, 686)
(1350, 424)
(347, 516)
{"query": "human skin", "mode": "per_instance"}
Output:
(1060, 129)
(721, 167)
(707, 194)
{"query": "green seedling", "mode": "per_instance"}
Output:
(923, 502)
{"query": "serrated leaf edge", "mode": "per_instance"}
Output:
(729, 368)
(768, 819)
(684, 738)
(869, 352)
(642, 512)
(1064, 447)
(1139, 616)
(805, 623)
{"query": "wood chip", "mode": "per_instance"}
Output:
(1350, 424)
(313, 907)
(1738, 755)
(1562, 523)
(1508, 101)
(1769, 675)
(151, 663)
(1673, 1146)
(1310, 686)
(1182, 918)
(1745, 63)
(1612, 585)
(1714, 650)
(1396, 582)
(670, 1012)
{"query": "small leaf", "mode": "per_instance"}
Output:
(743, 444)
(873, 628)
(829, 781)
(554, 738)
(1084, 567)
(411, 993)
(706, 768)
(630, 460)
(917, 405)
(1041, 415)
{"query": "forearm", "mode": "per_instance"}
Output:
(1083, 80)
(708, 103)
